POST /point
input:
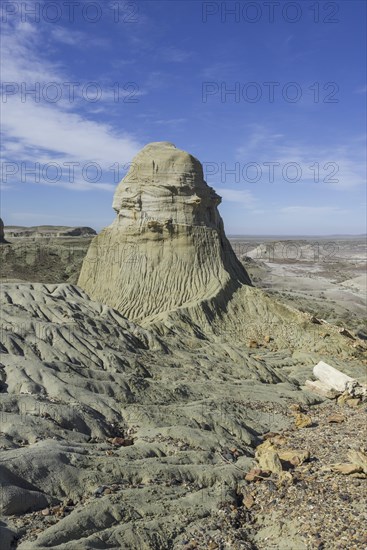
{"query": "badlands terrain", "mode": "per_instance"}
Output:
(146, 373)
(324, 276)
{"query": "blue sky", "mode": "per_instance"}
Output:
(157, 70)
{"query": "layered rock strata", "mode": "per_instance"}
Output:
(167, 248)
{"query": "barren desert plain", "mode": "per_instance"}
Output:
(153, 379)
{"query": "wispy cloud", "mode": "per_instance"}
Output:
(71, 37)
(68, 36)
(175, 55)
(260, 138)
(361, 89)
(340, 166)
(311, 210)
(170, 121)
(36, 130)
(243, 197)
(22, 59)
(219, 70)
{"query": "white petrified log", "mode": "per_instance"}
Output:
(321, 389)
(330, 377)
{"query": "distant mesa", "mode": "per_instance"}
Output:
(39, 231)
(167, 248)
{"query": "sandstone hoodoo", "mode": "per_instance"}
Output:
(167, 248)
(165, 262)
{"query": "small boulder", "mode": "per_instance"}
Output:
(268, 458)
(359, 458)
(353, 403)
(17, 501)
(346, 469)
(248, 501)
(302, 420)
(335, 418)
(256, 474)
(294, 457)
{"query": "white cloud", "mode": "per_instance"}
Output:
(242, 197)
(311, 210)
(175, 55)
(39, 127)
(68, 35)
(21, 59)
(259, 138)
(219, 70)
(40, 131)
(338, 167)
(170, 121)
(361, 89)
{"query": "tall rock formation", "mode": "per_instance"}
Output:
(167, 248)
(166, 263)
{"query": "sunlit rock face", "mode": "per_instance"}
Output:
(167, 248)
(166, 185)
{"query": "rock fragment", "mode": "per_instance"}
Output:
(293, 456)
(120, 441)
(359, 458)
(256, 474)
(346, 468)
(268, 458)
(302, 420)
(335, 418)
(248, 501)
